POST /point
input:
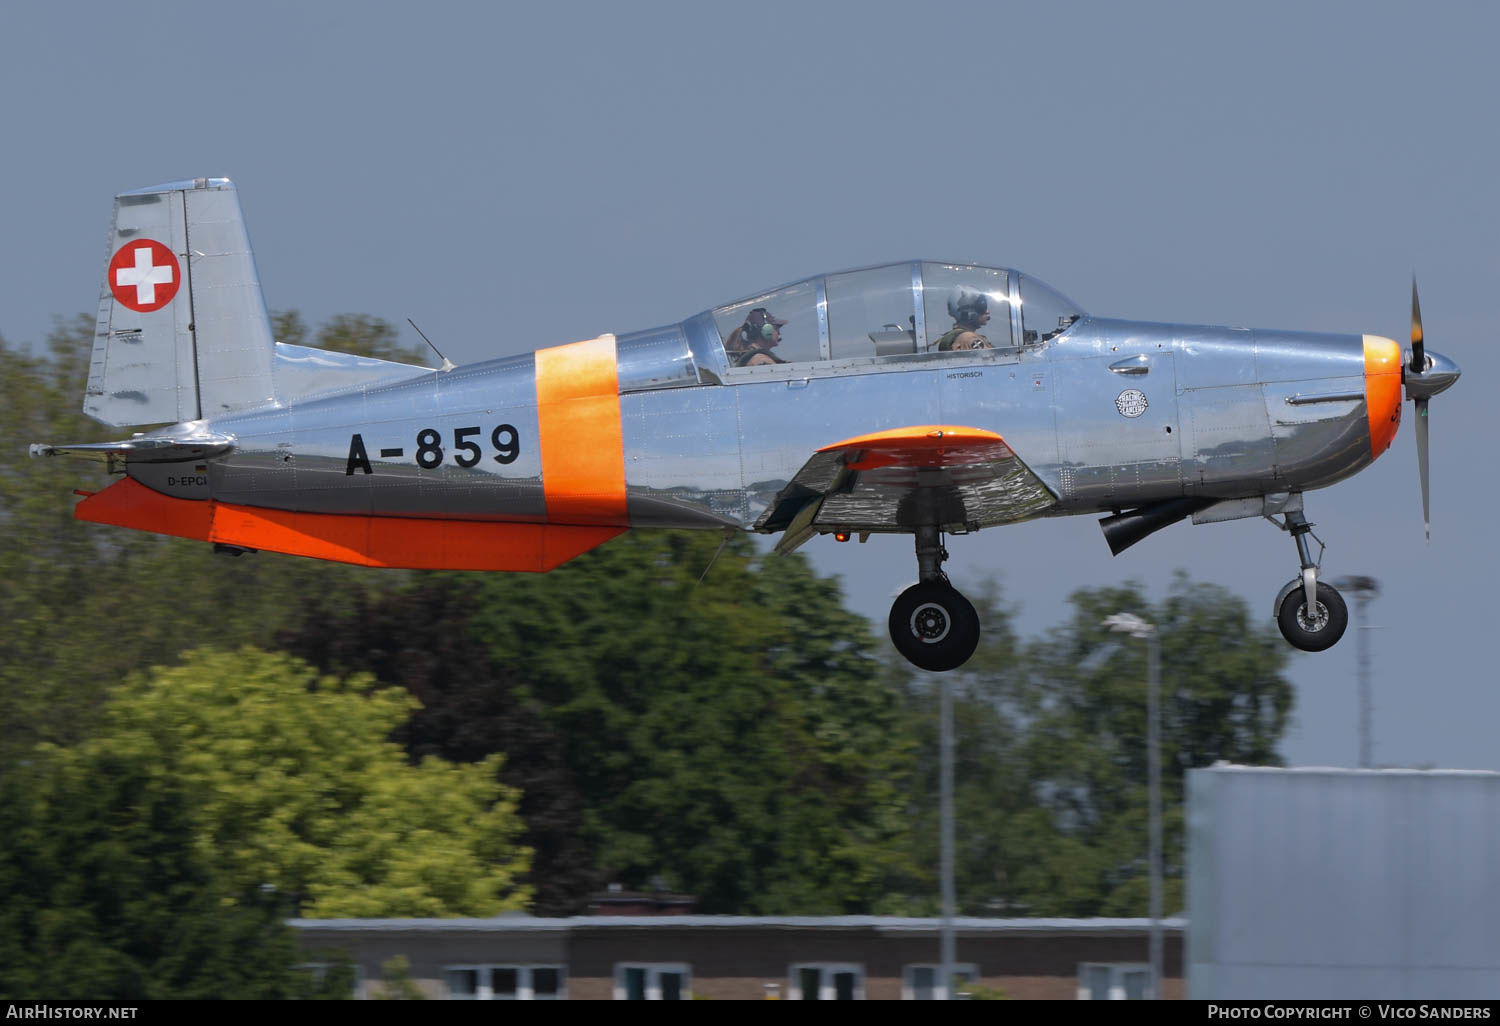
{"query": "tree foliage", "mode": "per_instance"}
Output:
(303, 792)
(1052, 791)
(357, 334)
(731, 738)
(108, 896)
(85, 604)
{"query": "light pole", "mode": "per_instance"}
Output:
(1129, 623)
(945, 816)
(1363, 589)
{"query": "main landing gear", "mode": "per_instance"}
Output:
(931, 624)
(1312, 615)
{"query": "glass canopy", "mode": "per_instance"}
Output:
(892, 310)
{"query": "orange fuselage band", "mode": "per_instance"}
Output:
(1382, 391)
(579, 433)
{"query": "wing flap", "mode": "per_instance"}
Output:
(962, 478)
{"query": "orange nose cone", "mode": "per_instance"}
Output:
(1382, 391)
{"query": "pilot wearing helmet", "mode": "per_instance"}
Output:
(760, 333)
(970, 310)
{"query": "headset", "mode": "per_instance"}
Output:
(765, 333)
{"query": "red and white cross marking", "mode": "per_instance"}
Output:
(144, 275)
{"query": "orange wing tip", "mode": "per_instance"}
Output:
(926, 434)
(928, 445)
(398, 542)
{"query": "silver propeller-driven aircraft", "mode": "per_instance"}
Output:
(920, 398)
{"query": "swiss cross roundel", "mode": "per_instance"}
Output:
(144, 275)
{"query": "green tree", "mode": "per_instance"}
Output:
(1223, 696)
(359, 334)
(86, 604)
(399, 986)
(42, 555)
(1051, 761)
(302, 792)
(993, 702)
(733, 739)
(104, 893)
(418, 638)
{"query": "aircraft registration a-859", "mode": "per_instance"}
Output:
(919, 397)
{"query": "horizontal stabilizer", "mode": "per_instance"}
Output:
(144, 449)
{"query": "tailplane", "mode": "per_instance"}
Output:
(183, 332)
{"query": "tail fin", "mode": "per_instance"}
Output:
(183, 332)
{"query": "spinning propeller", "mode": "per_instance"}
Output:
(1425, 376)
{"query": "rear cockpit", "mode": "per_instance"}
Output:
(869, 319)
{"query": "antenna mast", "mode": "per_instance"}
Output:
(448, 364)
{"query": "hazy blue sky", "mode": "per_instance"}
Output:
(514, 176)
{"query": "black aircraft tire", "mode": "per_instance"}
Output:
(1313, 636)
(934, 627)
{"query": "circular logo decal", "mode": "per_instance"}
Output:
(1131, 402)
(143, 275)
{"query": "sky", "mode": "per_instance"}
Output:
(515, 176)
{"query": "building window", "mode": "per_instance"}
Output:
(653, 981)
(826, 981)
(506, 982)
(925, 983)
(1098, 981)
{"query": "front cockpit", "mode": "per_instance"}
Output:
(866, 319)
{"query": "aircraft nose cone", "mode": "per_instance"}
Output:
(1439, 375)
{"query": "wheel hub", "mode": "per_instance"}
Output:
(930, 623)
(1315, 622)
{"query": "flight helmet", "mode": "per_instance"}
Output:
(966, 305)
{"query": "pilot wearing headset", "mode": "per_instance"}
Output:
(760, 333)
(970, 310)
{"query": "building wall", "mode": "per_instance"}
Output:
(1356, 884)
(736, 961)
(429, 953)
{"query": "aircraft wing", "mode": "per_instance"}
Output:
(961, 478)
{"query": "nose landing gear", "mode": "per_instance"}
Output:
(931, 623)
(1312, 615)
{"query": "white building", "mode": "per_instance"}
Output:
(1341, 883)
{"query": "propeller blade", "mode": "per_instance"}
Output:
(1418, 352)
(1422, 464)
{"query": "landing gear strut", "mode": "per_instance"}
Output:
(931, 624)
(1312, 615)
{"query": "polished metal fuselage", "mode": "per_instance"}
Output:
(1110, 415)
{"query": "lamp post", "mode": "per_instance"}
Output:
(1128, 623)
(1363, 589)
(945, 816)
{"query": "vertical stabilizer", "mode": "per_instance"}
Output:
(183, 332)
